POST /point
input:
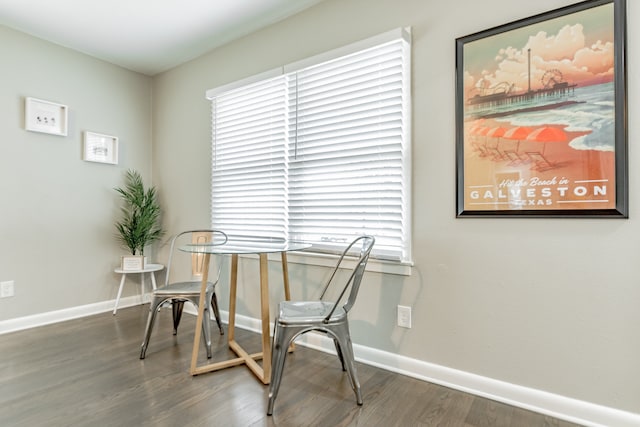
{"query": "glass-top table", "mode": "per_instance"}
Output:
(235, 246)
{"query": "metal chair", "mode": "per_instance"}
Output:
(179, 292)
(298, 317)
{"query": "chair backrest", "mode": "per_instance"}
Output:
(364, 243)
(200, 236)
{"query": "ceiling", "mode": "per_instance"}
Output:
(147, 36)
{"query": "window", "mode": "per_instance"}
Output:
(319, 151)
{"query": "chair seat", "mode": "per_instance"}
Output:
(303, 312)
(191, 288)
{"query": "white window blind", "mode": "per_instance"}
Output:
(320, 154)
(248, 185)
(347, 130)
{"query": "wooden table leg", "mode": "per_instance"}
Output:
(285, 281)
(203, 302)
(285, 276)
(233, 287)
(266, 333)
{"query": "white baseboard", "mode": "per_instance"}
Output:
(565, 408)
(47, 318)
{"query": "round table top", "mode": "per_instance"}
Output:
(237, 245)
(148, 268)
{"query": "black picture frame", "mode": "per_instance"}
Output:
(556, 82)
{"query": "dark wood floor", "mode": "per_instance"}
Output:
(86, 372)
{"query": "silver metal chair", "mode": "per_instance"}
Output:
(298, 317)
(179, 292)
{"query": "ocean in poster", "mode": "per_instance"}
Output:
(593, 111)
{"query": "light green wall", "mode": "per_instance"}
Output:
(550, 304)
(56, 210)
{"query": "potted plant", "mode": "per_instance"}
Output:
(140, 223)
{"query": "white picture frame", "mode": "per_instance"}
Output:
(100, 148)
(132, 263)
(45, 116)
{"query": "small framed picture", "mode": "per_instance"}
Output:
(132, 263)
(100, 148)
(45, 116)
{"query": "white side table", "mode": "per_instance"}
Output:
(149, 268)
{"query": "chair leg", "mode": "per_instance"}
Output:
(216, 311)
(154, 305)
(281, 342)
(206, 330)
(176, 308)
(344, 339)
(339, 352)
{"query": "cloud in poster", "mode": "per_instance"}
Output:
(567, 51)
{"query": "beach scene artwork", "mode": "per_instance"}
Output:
(539, 115)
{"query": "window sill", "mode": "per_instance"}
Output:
(328, 260)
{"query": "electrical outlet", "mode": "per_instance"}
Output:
(6, 289)
(404, 316)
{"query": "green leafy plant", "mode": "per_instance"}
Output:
(140, 223)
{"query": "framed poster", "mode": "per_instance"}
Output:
(541, 115)
(100, 148)
(45, 116)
